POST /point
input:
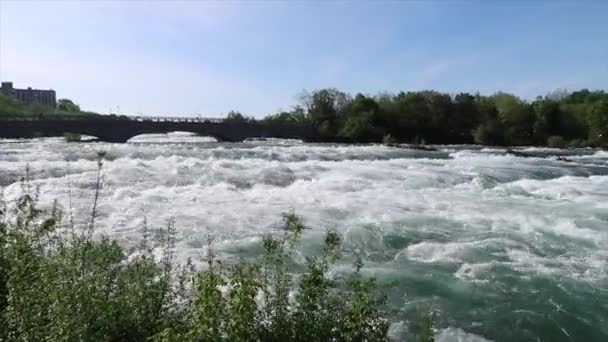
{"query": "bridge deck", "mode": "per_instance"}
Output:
(114, 117)
(121, 128)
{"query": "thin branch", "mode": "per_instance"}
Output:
(100, 156)
(70, 206)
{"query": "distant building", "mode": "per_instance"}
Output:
(29, 95)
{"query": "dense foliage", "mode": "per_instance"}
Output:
(559, 119)
(59, 283)
(66, 105)
(237, 117)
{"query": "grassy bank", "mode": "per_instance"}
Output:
(60, 283)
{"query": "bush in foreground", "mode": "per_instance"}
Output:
(58, 283)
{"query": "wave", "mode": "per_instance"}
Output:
(470, 220)
(452, 334)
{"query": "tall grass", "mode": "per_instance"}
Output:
(60, 283)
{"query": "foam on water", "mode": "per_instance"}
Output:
(173, 137)
(483, 235)
(458, 335)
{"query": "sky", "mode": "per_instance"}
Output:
(206, 58)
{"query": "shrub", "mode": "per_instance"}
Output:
(58, 283)
(67, 106)
(72, 137)
(424, 325)
(61, 285)
(388, 140)
(489, 133)
(257, 304)
(556, 141)
(577, 143)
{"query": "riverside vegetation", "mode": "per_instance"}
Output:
(60, 283)
(559, 119)
(12, 108)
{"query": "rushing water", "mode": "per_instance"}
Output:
(503, 247)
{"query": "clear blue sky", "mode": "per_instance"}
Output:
(189, 57)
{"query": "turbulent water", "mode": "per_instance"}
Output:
(504, 247)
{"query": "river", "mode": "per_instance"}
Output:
(503, 247)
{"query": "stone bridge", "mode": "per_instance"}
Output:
(119, 129)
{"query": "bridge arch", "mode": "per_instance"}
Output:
(173, 136)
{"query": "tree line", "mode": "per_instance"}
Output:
(559, 119)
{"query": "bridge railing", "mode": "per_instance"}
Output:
(185, 119)
(192, 119)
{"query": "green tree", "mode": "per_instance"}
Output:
(547, 119)
(357, 127)
(598, 123)
(517, 118)
(326, 109)
(10, 107)
(490, 130)
(466, 117)
(361, 119)
(489, 133)
(296, 116)
(441, 117)
(237, 117)
(66, 105)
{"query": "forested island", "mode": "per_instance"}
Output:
(559, 119)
